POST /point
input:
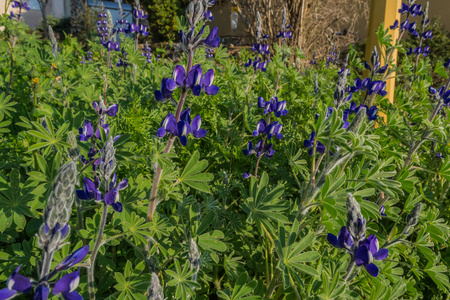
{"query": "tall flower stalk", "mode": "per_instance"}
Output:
(191, 78)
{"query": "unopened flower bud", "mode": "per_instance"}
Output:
(356, 223)
(155, 291)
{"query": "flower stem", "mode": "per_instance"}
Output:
(98, 242)
(158, 173)
(349, 269)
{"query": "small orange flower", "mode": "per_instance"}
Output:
(54, 66)
(58, 78)
(35, 80)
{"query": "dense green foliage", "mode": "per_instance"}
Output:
(256, 236)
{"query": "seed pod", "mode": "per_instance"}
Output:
(73, 150)
(412, 219)
(194, 259)
(356, 223)
(155, 291)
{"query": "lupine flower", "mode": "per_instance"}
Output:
(273, 105)
(73, 258)
(309, 144)
(67, 285)
(90, 190)
(382, 210)
(447, 64)
(15, 283)
(139, 14)
(427, 34)
(112, 196)
(87, 131)
(345, 118)
(41, 292)
(404, 9)
(208, 16)
(395, 25)
(416, 10)
(404, 25)
(183, 128)
(168, 85)
(213, 40)
(259, 150)
(343, 240)
(367, 252)
(147, 53)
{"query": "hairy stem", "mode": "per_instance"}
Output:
(98, 242)
(350, 267)
(158, 173)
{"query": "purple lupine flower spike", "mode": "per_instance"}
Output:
(260, 127)
(73, 258)
(67, 285)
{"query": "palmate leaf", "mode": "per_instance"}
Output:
(192, 175)
(240, 290)
(6, 106)
(264, 206)
(133, 283)
(48, 138)
(437, 274)
(181, 280)
(14, 200)
(291, 255)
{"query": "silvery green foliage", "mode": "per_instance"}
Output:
(357, 122)
(356, 224)
(53, 42)
(194, 259)
(194, 12)
(155, 290)
(284, 20)
(108, 160)
(59, 207)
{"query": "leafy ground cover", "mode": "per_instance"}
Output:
(130, 175)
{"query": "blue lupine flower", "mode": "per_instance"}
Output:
(41, 292)
(416, 10)
(367, 252)
(447, 64)
(15, 283)
(343, 240)
(112, 196)
(309, 144)
(404, 9)
(382, 210)
(395, 25)
(273, 105)
(345, 118)
(90, 190)
(87, 131)
(404, 25)
(168, 85)
(439, 155)
(427, 34)
(183, 128)
(73, 258)
(212, 40)
(139, 14)
(67, 285)
(208, 16)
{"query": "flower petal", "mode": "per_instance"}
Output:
(6, 294)
(372, 269)
(333, 240)
(381, 254)
(67, 283)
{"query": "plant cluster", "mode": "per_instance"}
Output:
(130, 176)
